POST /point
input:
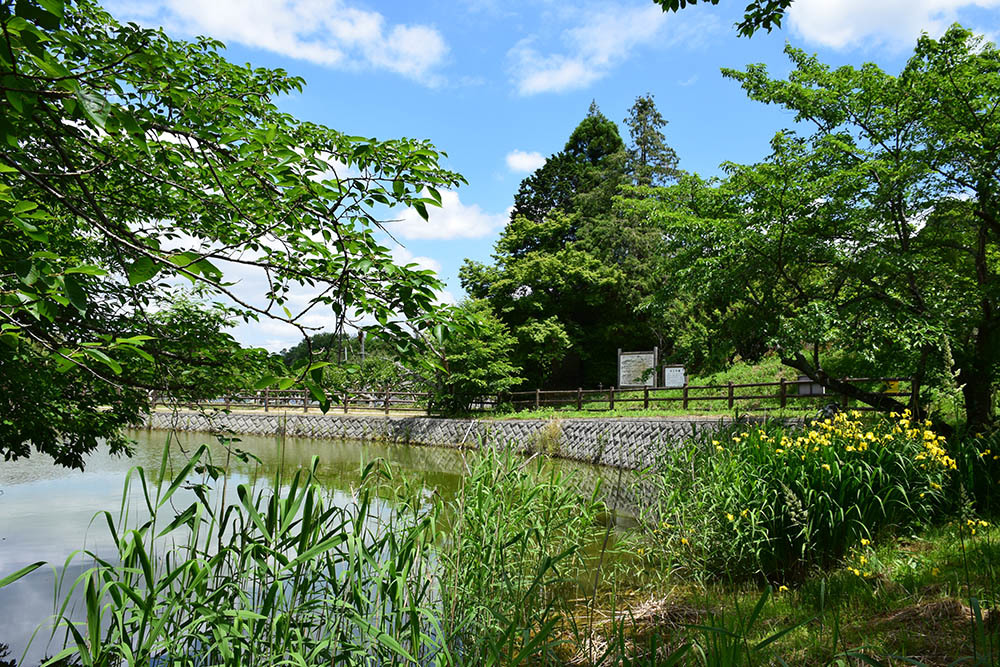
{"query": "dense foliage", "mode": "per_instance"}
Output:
(777, 503)
(568, 277)
(875, 235)
(133, 163)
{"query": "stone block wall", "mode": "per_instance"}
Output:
(627, 443)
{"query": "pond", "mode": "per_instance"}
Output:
(47, 512)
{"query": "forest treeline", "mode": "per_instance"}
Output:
(865, 243)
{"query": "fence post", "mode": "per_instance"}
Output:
(784, 394)
(730, 395)
(538, 398)
(267, 398)
(611, 398)
(645, 398)
(345, 402)
(579, 398)
(229, 401)
(386, 402)
(684, 401)
(843, 397)
(305, 400)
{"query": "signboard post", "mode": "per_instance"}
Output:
(637, 369)
(674, 376)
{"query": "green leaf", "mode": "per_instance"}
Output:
(266, 381)
(86, 269)
(94, 107)
(24, 571)
(141, 270)
(54, 7)
(104, 359)
(75, 293)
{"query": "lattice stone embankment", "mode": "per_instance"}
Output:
(626, 443)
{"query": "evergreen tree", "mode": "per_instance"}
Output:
(650, 160)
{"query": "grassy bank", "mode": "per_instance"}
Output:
(855, 541)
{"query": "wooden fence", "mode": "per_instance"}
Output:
(703, 398)
(410, 402)
(692, 398)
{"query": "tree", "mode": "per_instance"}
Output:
(581, 177)
(650, 160)
(566, 277)
(133, 161)
(194, 354)
(878, 233)
(475, 360)
(758, 15)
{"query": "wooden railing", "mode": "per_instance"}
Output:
(692, 398)
(384, 401)
(699, 397)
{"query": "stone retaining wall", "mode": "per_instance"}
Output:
(627, 443)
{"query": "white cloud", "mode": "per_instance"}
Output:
(597, 42)
(524, 162)
(324, 32)
(453, 220)
(895, 24)
(403, 256)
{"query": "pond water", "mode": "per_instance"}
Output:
(47, 512)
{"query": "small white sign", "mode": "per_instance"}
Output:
(811, 389)
(637, 369)
(674, 377)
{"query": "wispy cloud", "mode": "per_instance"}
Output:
(523, 162)
(597, 41)
(324, 32)
(894, 24)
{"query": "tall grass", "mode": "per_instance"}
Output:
(516, 547)
(262, 578)
(203, 574)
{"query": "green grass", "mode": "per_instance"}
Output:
(916, 603)
(770, 369)
(520, 569)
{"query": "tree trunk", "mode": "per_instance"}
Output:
(977, 389)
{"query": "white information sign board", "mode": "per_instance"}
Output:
(637, 369)
(811, 389)
(674, 377)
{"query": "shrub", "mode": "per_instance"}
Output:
(772, 501)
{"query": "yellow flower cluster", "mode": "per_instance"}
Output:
(972, 524)
(933, 451)
(848, 431)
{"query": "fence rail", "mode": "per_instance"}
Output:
(693, 398)
(690, 397)
(385, 401)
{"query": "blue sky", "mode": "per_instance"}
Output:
(499, 85)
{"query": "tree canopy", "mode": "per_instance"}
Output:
(758, 15)
(134, 163)
(877, 233)
(569, 273)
